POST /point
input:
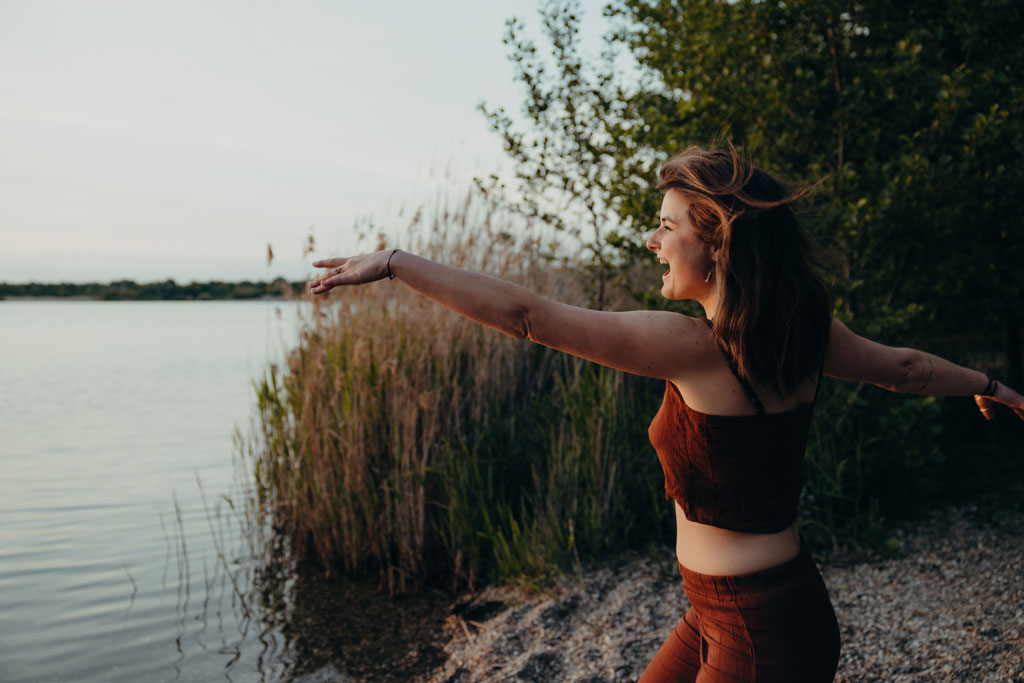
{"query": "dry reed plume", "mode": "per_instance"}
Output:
(404, 438)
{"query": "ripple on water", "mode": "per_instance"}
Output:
(108, 568)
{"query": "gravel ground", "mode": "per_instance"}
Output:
(951, 609)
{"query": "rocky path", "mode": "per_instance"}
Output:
(951, 609)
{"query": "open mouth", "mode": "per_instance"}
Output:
(664, 262)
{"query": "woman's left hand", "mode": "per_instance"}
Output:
(1006, 396)
(353, 270)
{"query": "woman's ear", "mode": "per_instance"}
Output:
(713, 263)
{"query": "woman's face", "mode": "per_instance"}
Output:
(689, 260)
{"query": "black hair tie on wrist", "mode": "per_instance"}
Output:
(993, 384)
(391, 276)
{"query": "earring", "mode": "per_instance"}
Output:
(711, 271)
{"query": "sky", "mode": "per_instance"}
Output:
(176, 139)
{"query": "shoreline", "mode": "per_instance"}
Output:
(951, 607)
(273, 297)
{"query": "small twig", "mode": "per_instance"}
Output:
(469, 636)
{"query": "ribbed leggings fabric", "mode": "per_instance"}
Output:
(772, 625)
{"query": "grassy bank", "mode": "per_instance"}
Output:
(405, 440)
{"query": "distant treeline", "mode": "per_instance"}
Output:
(167, 290)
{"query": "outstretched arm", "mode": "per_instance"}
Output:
(645, 343)
(911, 371)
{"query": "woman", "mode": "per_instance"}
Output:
(740, 388)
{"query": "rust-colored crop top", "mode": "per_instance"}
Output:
(736, 472)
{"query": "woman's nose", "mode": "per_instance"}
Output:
(652, 243)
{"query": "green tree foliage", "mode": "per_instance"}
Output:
(906, 111)
(909, 115)
(564, 162)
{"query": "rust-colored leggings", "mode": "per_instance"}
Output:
(772, 625)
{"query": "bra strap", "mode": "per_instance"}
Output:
(751, 394)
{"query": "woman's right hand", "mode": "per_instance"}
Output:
(1004, 395)
(353, 270)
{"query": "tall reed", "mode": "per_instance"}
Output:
(405, 439)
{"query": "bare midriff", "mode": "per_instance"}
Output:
(719, 552)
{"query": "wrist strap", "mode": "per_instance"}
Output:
(990, 390)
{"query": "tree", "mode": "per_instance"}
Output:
(910, 116)
(563, 163)
(909, 112)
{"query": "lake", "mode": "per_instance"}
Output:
(121, 558)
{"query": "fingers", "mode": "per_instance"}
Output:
(1018, 405)
(329, 262)
(987, 406)
(984, 405)
(330, 279)
(335, 277)
(324, 284)
(321, 284)
(1018, 408)
(354, 270)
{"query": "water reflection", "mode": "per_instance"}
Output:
(105, 576)
(274, 619)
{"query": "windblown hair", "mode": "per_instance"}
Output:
(774, 312)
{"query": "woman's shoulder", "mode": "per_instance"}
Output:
(676, 330)
(685, 326)
(652, 343)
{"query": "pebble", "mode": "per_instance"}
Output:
(949, 609)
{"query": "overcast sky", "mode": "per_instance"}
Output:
(148, 140)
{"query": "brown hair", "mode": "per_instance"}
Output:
(774, 312)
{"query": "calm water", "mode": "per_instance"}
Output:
(113, 567)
